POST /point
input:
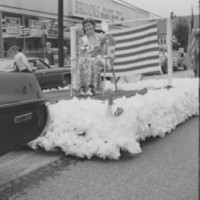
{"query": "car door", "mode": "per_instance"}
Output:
(46, 76)
(23, 112)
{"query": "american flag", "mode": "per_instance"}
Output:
(136, 50)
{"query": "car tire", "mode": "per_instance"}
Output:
(67, 79)
(175, 69)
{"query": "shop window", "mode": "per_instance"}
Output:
(32, 33)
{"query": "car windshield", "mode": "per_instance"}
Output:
(6, 65)
(38, 64)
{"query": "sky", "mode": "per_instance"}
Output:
(164, 7)
(88, 127)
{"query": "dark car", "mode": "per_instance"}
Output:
(23, 112)
(178, 61)
(50, 76)
(47, 76)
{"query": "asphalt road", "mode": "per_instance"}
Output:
(167, 169)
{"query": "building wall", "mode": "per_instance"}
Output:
(97, 9)
(32, 23)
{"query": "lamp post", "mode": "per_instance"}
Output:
(43, 41)
(60, 34)
(1, 38)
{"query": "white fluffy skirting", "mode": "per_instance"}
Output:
(84, 128)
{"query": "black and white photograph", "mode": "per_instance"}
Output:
(99, 99)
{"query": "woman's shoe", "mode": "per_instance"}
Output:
(91, 91)
(82, 91)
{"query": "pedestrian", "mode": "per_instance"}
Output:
(90, 59)
(22, 62)
(49, 54)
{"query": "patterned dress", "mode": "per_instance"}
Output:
(90, 62)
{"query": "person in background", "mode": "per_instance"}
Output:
(22, 62)
(49, 54)
(90, 59)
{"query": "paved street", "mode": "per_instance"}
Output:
(167, 169)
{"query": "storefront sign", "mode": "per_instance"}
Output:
(52, 29)
(12, 25)
(35, 28)
(97, 10)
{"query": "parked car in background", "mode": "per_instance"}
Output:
(23, 112)
(47, 76)
(177, 62)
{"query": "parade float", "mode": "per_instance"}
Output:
(107, 124)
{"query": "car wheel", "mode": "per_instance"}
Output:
(175, 68)
(67, 80)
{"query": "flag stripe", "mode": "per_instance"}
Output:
(131, 54)
(133, 31)
(120, 53)
(134, 38)
(146, 70)
(137, 67)
(141, 61)
(132, 46)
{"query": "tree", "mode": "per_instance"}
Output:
(181, 32)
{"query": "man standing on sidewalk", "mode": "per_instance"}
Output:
(22, 62)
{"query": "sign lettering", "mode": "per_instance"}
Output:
(85, 9)
(12, 25)
(35, 28)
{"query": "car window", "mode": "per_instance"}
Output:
(7, 65)
(37, 64)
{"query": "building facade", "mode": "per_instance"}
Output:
(33, 23)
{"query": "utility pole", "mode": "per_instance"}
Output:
(1, 38)
(169, 48)
(60, 34)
